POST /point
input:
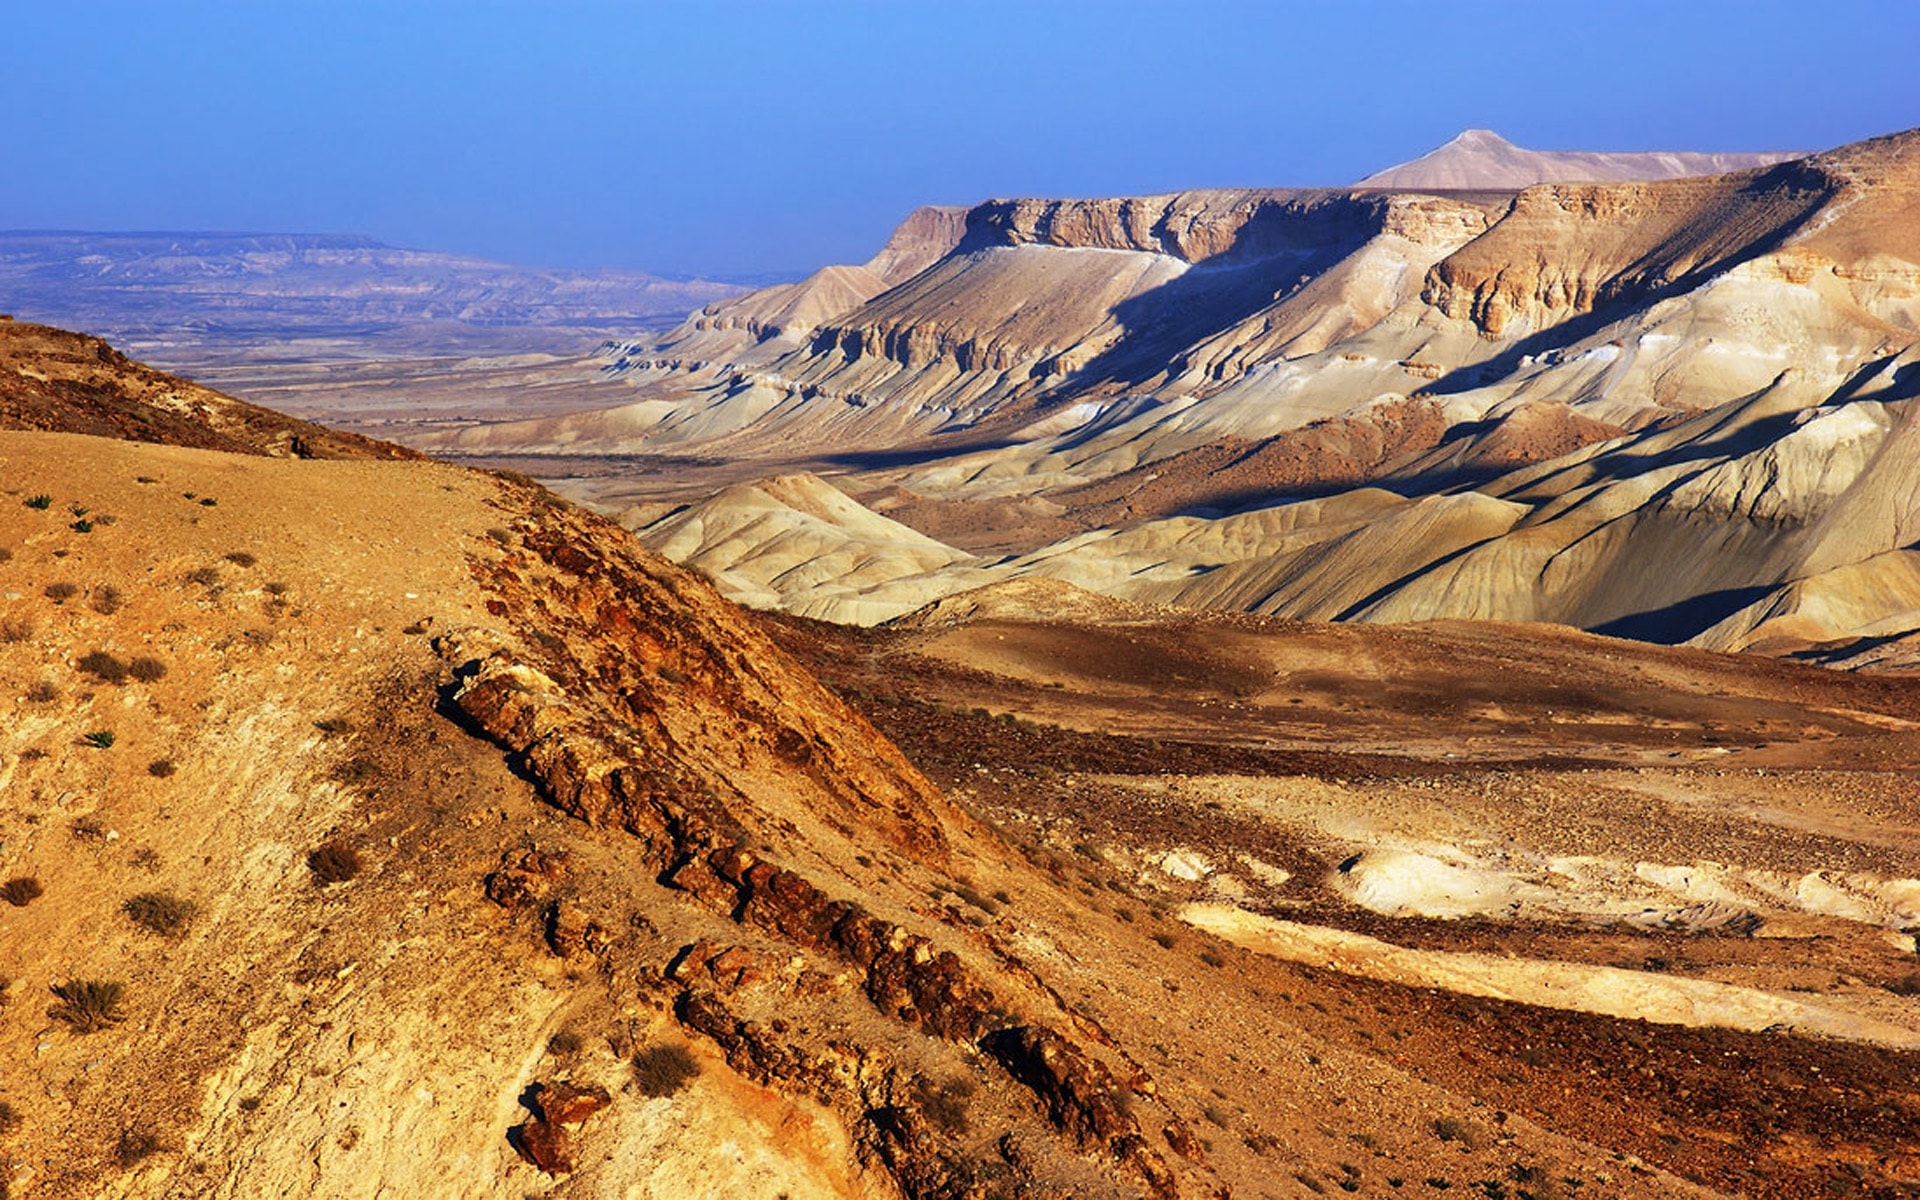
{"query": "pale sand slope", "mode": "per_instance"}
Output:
(1607, 991)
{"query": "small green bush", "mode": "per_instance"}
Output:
(664, 1070)
(100, 739)
(88, 1005)
(21, 890)
(161, 912)
(82, 526)
(41, 501)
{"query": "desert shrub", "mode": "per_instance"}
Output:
(1166, 940)
(88, 1005)
(9, 1119)
(135, 1145)
(21, 890)
(44, 692)
(78, 510)
(204, 576)
(60, 593)
(99, 739)
(147, 670)
(108, 600)
(945, 1104)
(42, 501)
(161, 912)
(334, 862)
(160, 768)
(208, 502)
(973, 897)
(334, 725)
(664, 1070)
(82, 526)
(274, 588)
(356, 770)
(565, 1043)
(1212, 958)
(17, 629)
(1456, 1129)
(6, 554)
(103, 666)
(500, 536)
(240, 558)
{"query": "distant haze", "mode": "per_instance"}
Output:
(745, 140)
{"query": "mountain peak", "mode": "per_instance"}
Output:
(1482, 159)
(1479, 139)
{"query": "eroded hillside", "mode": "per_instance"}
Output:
(1674, 409)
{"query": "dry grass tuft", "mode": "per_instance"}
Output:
(664, 1070)
(88, 1005)
(161, 912)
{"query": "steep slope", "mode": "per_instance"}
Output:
(69, 383)
(283, 733)
(1481, 158)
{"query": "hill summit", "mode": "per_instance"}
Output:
(1479, 159)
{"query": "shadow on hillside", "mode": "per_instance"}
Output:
(1685, 619)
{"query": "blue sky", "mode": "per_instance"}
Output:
(743, 138)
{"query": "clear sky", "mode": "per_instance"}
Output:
(739, 138)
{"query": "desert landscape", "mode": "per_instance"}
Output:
(1405, 688)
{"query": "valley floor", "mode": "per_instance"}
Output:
(1385, 838)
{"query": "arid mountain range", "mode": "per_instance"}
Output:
(374, 826)
(1676, 409)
